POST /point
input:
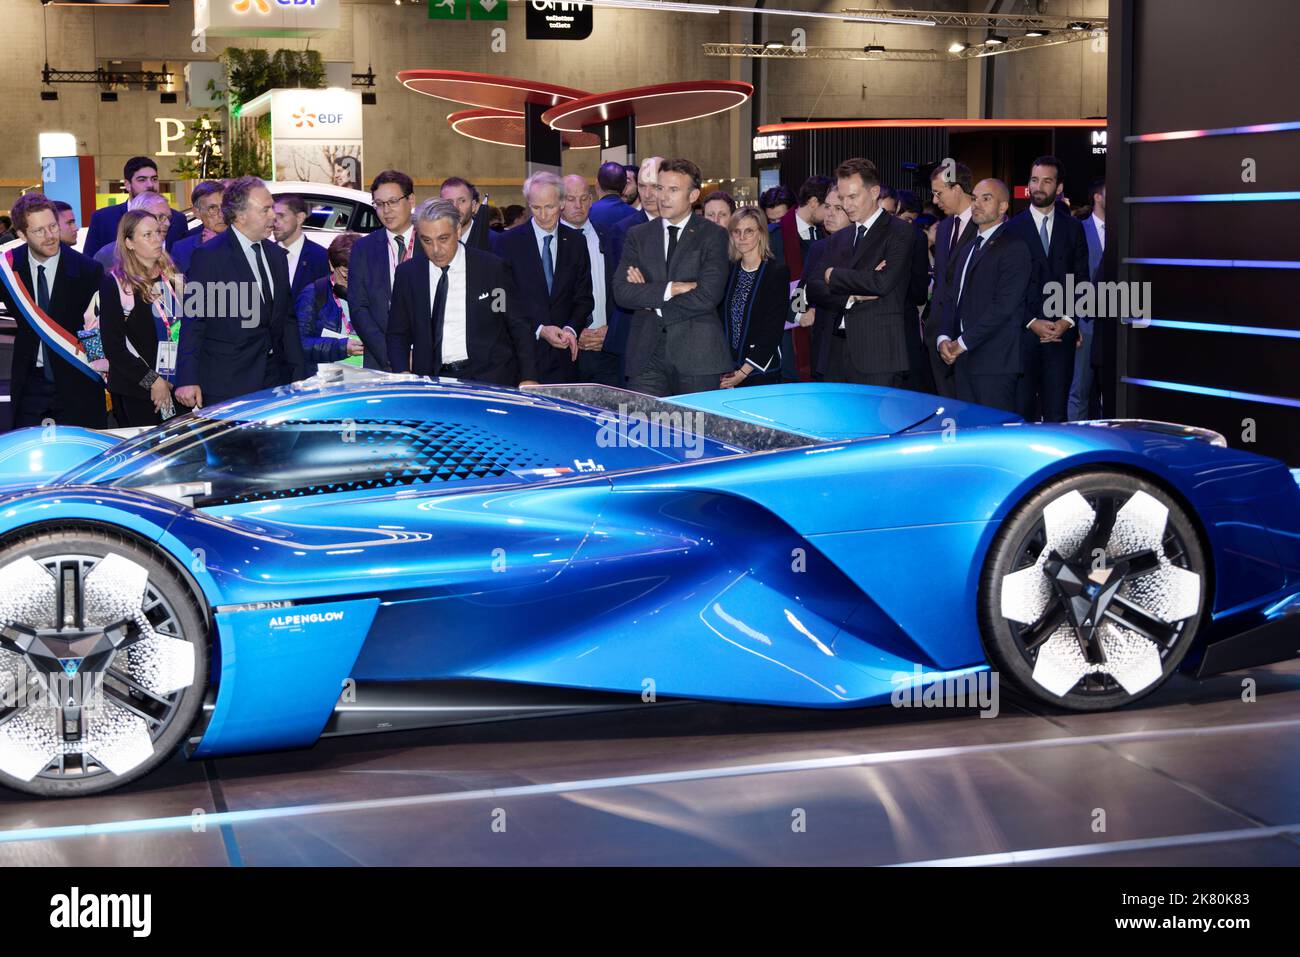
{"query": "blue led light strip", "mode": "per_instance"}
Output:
(1221, 327)
(1276, 197)
(1211, 391)
(1221, 263)
(1221, 131)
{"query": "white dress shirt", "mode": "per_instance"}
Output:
(681, 228)
(246, 245)
(962, 219)
(1100, 225)
(1050, 218)
(981, 238)
(805, 229)
(295, 253)
(51, 269)
(408, 237)
(598, 315)
(1039, 217)
(454, 347)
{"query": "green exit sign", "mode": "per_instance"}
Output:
(488, 10)
(478, 9)
(446, 9)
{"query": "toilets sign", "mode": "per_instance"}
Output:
(558, 19)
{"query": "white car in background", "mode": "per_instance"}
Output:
(332, 210)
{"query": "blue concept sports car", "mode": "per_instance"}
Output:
(361, 551)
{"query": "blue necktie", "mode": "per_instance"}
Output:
(1042, 234)
(548, 268)
(43, 302)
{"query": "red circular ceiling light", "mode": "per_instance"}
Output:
(485, 90)
(651, 105)
(506, 128)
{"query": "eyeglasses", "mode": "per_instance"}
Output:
(42, 230)
(382, 204)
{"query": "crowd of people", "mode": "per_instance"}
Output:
(640, 282)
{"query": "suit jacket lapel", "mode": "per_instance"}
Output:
(871, 242)
(60, 286)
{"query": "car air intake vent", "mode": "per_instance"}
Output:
(290, 459)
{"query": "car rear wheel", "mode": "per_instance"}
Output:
(103, 662)
(1092, 591)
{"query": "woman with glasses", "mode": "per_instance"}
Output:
(754, 307)
(140, 321)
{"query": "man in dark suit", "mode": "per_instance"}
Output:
(552, 277)
(307, 260)
(374, 260)
(141, 176)
(646, 181)
(610, 208)
(814, 264)
(455, 310)
(595, 363)
(474, 230)
(231, 345)
(206, 199)
(1055, 239)
(980, 322)
(790, 238)
(43, 385)
(1084, 398)
(672, 275)
(862, 291)
(951, 183)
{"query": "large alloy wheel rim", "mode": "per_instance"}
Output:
(93, 666)
(1102, 591)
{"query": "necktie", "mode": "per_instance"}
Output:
(857, 236)
(672, 243)
(1042, 234)
(812, 234)
(440, 301)
(956, 233)
(265, 280)
(401, 248)
(548, 267)
(43, 303)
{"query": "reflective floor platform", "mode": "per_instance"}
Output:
(1194, 775)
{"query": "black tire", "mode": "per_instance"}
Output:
(132, 700)
(1041, 656)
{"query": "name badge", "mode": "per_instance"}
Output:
(165, 364)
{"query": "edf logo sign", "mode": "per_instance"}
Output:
(243, 6)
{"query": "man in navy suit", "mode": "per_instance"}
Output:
(455, 311)
(141, 175)
(375, 259)
(1055, 239)
(307, 260)
(610, 208)
(552, 275)
(206, 200)
(595, 362)
(980, 315)
(44, 386)
(231, 345)
(647, 184)
(464, 195)
(1083, 403)
(951, 183)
